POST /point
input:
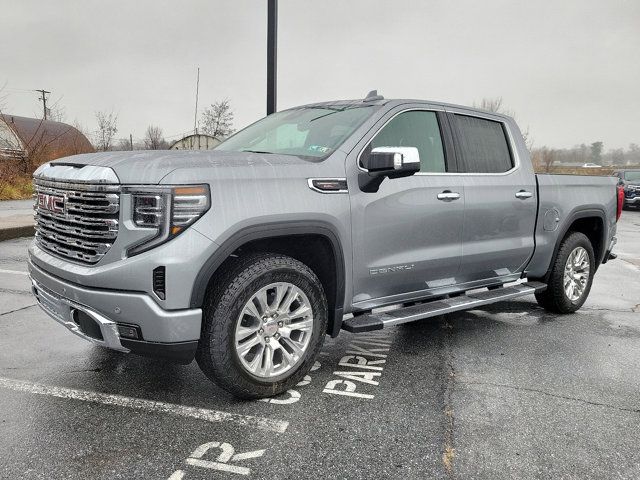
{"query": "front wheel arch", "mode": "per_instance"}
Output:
(298, 239)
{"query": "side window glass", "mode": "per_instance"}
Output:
(483, 145)
(418, 129)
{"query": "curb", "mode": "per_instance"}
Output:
(9, 233)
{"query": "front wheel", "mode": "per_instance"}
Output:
(571, 276)
(263, 325)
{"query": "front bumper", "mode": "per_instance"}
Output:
(632, 200)
(94, 314)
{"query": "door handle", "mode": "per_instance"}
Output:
(448, 195)
(523, 194)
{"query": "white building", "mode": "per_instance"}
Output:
(196, 142)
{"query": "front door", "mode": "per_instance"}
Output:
(407, 236)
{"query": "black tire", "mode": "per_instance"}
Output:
(554, 298)
(216, 354)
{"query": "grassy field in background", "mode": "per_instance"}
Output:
(17, 189)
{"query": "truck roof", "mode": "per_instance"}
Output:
(397, 101)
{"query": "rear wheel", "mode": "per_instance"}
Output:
(571, 276)
(263, 326)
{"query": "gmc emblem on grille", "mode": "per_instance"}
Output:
(53, 203)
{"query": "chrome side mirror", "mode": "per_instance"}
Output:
(391, 162)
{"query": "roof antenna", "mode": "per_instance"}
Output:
(372, 96)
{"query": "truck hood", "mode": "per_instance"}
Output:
(150, 167)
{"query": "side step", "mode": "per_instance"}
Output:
(378, 321)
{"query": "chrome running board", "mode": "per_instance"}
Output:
(377, 321)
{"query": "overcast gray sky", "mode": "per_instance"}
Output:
(570, 69)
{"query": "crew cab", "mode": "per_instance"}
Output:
(307, 223)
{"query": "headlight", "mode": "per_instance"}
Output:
(168, 211)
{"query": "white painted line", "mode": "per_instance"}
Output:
(224, 467)
(177, 475)
(222, 462)
(14, 272)
(246, 455)
(261, 423)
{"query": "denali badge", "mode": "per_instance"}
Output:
(53, 203)
(396, 268)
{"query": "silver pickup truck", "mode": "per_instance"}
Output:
(307, 222)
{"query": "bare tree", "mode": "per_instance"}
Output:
(57, 113)
(217, 120)
(3, 96)
(490, 105)
(153, 139)
(548, 158)
(107, 129)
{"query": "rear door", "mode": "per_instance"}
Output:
(407, 236)
(500, 197)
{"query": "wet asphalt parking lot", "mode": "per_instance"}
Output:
(508, 391)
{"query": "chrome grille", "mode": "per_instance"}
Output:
(85, 228)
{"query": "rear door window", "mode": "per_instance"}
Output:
(482, 145)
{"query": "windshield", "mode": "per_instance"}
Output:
(632, 176)
(306, 132)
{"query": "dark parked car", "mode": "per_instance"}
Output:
(630, 180)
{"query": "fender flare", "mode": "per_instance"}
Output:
(273, 230)
(577, 215)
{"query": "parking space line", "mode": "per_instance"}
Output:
(261, 423)
(14, 272)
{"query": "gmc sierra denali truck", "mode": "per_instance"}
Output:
(307, 222)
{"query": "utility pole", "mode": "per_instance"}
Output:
(44, 101)
(131, 141)
(272, 55)
(195, 116)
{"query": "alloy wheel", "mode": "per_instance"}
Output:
(273, 330)
(576, 274)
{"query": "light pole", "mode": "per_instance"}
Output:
(272, 55)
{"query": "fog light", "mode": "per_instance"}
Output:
(129, 331)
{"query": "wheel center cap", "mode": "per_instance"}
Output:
(270, 328)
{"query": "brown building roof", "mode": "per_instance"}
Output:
(45, 140)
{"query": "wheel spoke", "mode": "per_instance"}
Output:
(261, 297)
(297, 351)
(243, 332)
(251, 310)
(304, 325)
(255, 364)
(301, 311)
(281, 291)
(243, 348)
(268, 361)
(287, 358)
(290, 297)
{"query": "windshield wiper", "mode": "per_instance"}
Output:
(257, 151)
